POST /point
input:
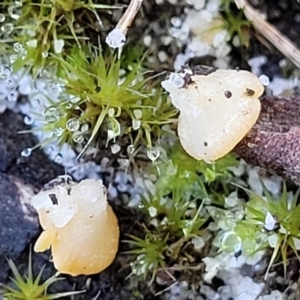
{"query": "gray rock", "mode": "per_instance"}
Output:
(20, 178)
(36, 169)
(18, 220)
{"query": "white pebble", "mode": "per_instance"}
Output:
(180, 61)
(219, 38)
(116, 38)
(175, 80)
(147, 40)
(58, 45)
(176, 21)
(236, 41)
(162, 56)
(209, 292)
(198, 242)
(199, 4)
(213, 6)
(166, 40)
(152, 211)
(264, 80)
(32, 43)
(256, 63)
(270, 221)
(206, 15)
(115, 148)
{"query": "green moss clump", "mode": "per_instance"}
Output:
(106, 98)
(30, 288)
(176, 220)
(35, 30)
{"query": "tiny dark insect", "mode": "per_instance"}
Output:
(98, 89)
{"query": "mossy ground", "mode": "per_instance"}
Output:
(167, 223)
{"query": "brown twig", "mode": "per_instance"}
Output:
(274, 142)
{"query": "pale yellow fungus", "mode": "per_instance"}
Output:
(216, 110)
(79, 226)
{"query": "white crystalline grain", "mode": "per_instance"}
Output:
(216, 110)
(58, 46)
(264, 80)
(270, 221)
(116, 38)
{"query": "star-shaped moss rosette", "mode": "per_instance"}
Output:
(271, 222)
(27, 287)
(107, 98)
(175, 223)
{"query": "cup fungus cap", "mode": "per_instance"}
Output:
(217, 109)
(79, 226)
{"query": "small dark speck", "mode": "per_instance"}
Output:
(227, 94)
(97, 89)
(205, 144)
(187, 80)
(91, 217)
(209, 100)
(53, 199)
(249, 92)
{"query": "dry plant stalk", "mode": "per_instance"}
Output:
(281, 42)
(129, 15)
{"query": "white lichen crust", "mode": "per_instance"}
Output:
(216, 110)
(79, 226)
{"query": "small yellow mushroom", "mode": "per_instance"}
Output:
(79, 226)
(216, 110)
